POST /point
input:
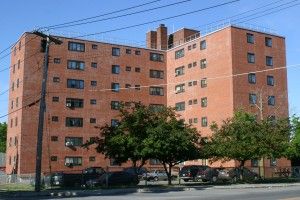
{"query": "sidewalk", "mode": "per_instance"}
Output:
(103, 192)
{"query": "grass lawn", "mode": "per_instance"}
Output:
(16, 187)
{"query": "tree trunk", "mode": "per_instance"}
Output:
(242, 164)
(168, 171)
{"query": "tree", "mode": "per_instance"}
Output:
(125, 141)
(243, 138)
(293, 151)
(171, 141)
(3, 133)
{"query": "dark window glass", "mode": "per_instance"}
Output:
(254, 163)
(93, 83)
(252, 78)
(116, 51)
(189, 47)
(270, 80)
(250, 38)
(251, 57)
(252, 98)
(194, 46)
(74, 122)
(180, 106)
(55, 118)
(128, 68)
(137, 87)
(195, 101)
(204, 122)
(271, 100)
(190, 102)
(137, 69)
(115, 87)
(92, 158)
(93, 101)
(94, 65)
(115, 69)
(204, 102)
(179, 71)
(56, 79)
(73, 83)
(56, 60)
(137, 52)
(203, 83)
(268, 42)
(156, 107)
(74, 103)
(92, 120)
(128, 51)
(73, 141)
(179, 88)
(114, 122)
(75, 64)
(115, 105)
(94, 46)
(75, 46)
(127, 85)
(156, 91)
(203, 45)
(179, 53)
(190, 65)
(54, 138)
(156, 74)
(269, 61)
(157, 57)
(55, 99)
(53, 158)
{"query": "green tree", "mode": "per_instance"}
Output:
(293, 151)
(171, 141)
(243, 138)
(3, 133)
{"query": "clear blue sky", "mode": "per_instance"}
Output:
(18, 16)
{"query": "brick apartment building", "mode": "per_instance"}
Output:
(197, 74)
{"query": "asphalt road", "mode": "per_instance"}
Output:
(274, 193)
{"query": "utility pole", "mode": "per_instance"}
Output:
(47, 39)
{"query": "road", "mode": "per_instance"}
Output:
(274, 193)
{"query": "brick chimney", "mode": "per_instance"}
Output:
(151, 39)
(162, 37)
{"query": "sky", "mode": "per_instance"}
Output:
(19, 16)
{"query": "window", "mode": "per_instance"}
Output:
(194, 64)
(254, 163)
(269, 61)
(53, 158)
(268, 42)
(156, 107)
(128, 68)
(195, 101)
(94, 65)
(203, 83)
(114, 122)
(75, 64)
(179, 88)
(93, 101)
(113, 162)
(251, 57)
(137, 52)
(195, 120)
(55, 99)
(94, 46)
(116, 51)
(55, 118)
(73, 161)
(75, 46)
(179, 53)
(190, 83)
(271, 118)
(17, 102)
(54, 138)
(204, 121)
(190, 65)
(137, 69)
(270, 80)
(250, 38)
(115, 105)
(271, 100)
(190, 102)
(74, 103)
(252, 99)
(203, 45)
(93, 120)
(194, 46)
(92, 158)
(14, 68)
(56, 79)
(190, 121)
(19, 64)
(16, 121)
(56, 60)
(189, 47)
(180, 106)
(12, 104)
(195, 82)
(93, 83)
(12, 86)
(73, 83)
(179, 71)
(154, 162)
(74, 122)
(18, 83)
(273, 162)
(127, 85)
(156, 74)
(156, 57)
(204, 102)
(128, 51)
(115, 69)
(137, 87)
(252, 78)
(115, 87)
(156, 91)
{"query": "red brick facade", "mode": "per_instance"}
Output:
(222, 55)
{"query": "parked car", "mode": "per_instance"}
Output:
(157, 175)
(114, 178)
(208, 175)
(234, 174)
(139, 171)
(190, 172)
(76, 178)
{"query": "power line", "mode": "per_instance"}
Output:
(101, 15)
(162, 19)
(119, 16)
